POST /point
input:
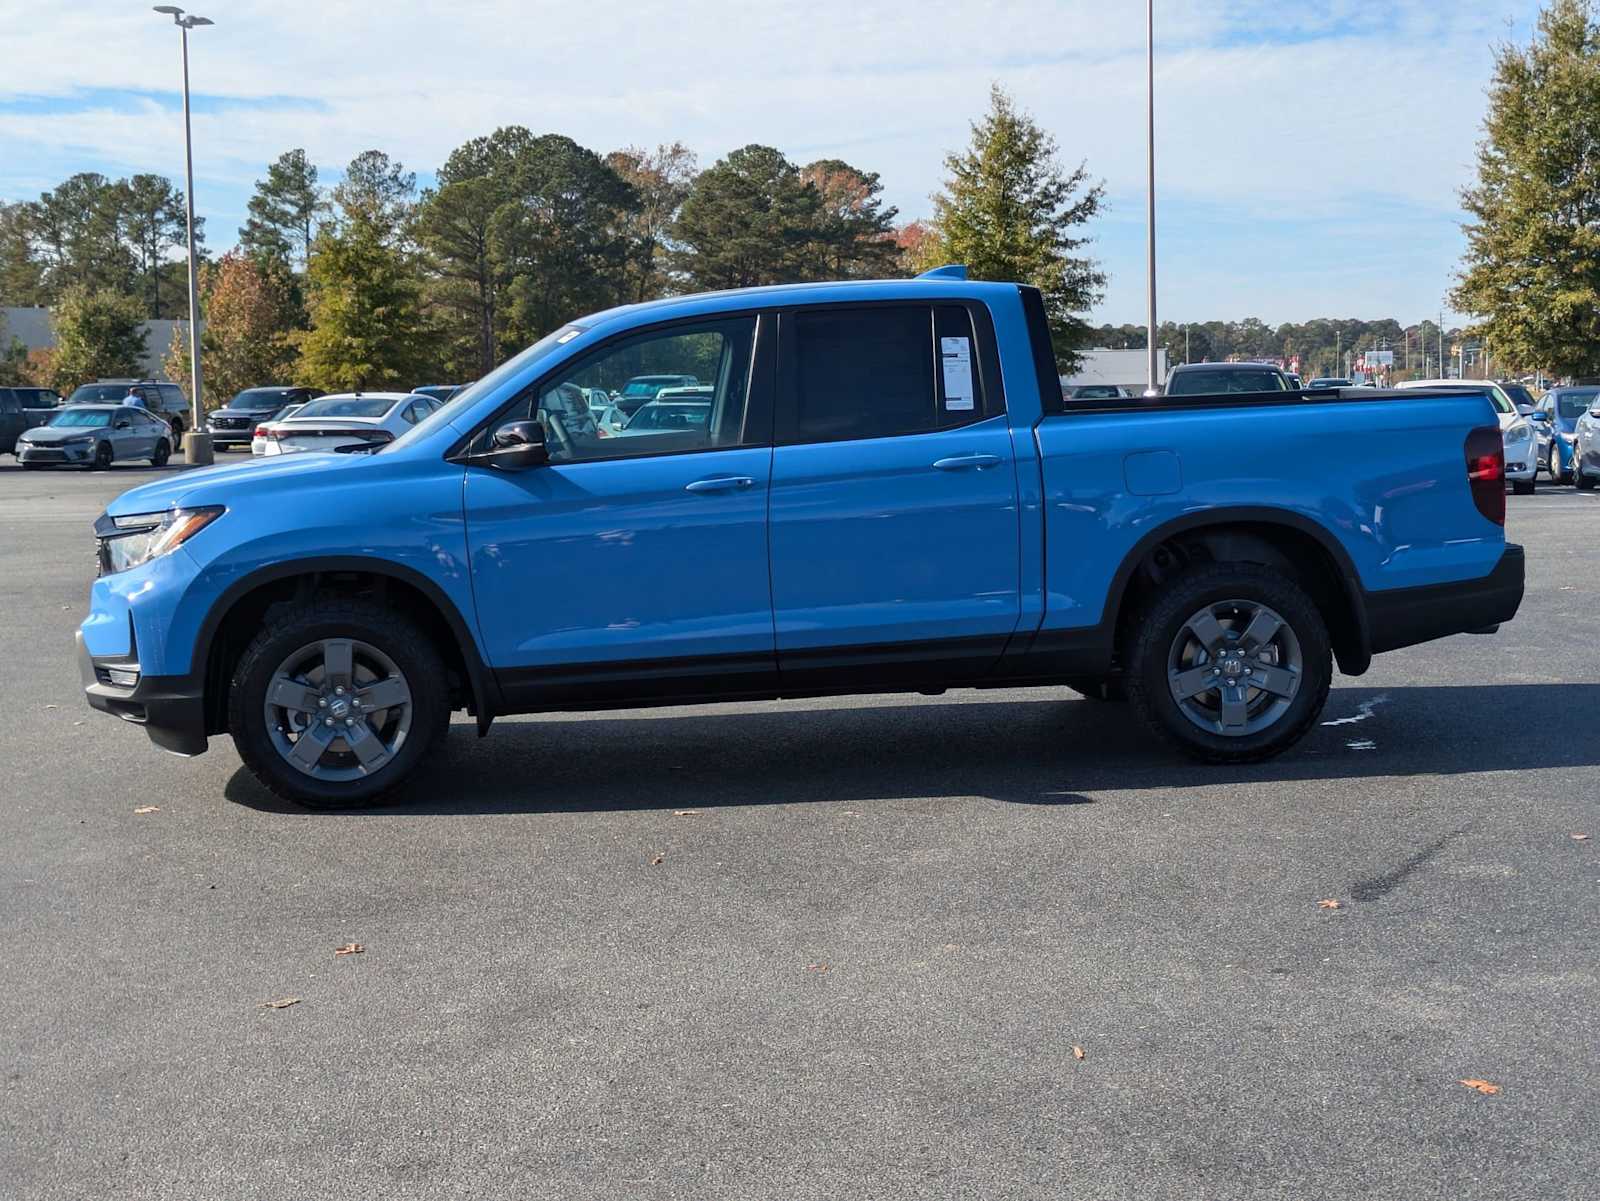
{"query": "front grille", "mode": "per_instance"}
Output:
(231, 423)
(46, 456)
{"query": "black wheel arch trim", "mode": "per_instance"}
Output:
(1354, 656)
(485, 691)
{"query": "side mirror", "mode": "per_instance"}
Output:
(1525, 410)
(1538, 415)
(122, 423)
(515, 446)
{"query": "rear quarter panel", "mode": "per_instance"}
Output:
(1387, 478)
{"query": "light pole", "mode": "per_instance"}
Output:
(1150, 202)
(196, 443)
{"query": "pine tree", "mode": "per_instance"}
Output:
(1532, 265)
(747, 221)
(284, 211)
(1010, 212)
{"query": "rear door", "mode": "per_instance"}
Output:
(895, 532)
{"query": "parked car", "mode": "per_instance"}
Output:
(235, 423)
(23, 408)
(1294, 379)
(1096, 392)
(262, 434)
(1586, 447)
(1215, 379)
(1521, 446)
(164, 400)
(347, 421)
(1556, 425)
(849, 518)
(439, 392)
(95, 436)
(642, 388)
(1329, 381)
(674, 410)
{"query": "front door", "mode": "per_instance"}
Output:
(634, 563)
(895, 530)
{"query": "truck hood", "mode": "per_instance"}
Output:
(234, 483)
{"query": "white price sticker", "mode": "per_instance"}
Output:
(956, 355)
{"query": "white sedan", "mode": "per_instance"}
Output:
(258, 437)
(347, 420)
(1516, 431)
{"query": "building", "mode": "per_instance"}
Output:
(1124, 368)
(32, 327)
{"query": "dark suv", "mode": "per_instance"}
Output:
(166, 401)
(234, 424)
(1211, 379)
(22, 409)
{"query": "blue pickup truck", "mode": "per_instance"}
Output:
(879, 487)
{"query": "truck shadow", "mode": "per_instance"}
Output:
(1030, 750)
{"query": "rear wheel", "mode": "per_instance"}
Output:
(162, 452)
(335, 703)
(1231, 663)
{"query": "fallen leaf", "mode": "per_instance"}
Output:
(1580, 838)
(281, 1003)
(1483, 1086)
(1077, 1052)
(350, 948)
(816, 967)
(1330, 903)
(148, 809)
(657, 860)
(675, 812)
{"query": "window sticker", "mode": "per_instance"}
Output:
(956, 354)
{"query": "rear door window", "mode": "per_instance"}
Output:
(860, 373)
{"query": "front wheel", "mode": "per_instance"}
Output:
(1523, 487)
(102, 457)
(1585, 483)
(1231, 663)
(335, 703)
(161, 454)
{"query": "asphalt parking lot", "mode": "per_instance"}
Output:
(819, 949)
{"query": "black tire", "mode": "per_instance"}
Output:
(1156, 630)
(1099, 688)
(334, 617)
(1585, 483)
(102, 457)
(162, 452)
(177, 426)
(1523, 487)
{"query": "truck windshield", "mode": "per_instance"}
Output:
(99, 393)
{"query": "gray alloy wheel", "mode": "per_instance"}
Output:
(338, 709)
(1234, 668)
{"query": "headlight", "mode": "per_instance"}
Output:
(77, 438)
(1518, 433)
(141, 537)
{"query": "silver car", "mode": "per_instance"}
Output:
(96, 436)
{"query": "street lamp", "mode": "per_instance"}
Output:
(196, 443)
(1150, 200)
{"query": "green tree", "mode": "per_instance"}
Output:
(661, 179)
(1531, 272)
(284, 211)
(98, 334)
(748, 220)
(559, 242)
(369, 328)
(76, 231)
(21, 269)
(1010, 212)
(854, 235)
(154, 224)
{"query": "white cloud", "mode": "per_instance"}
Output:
(1276, 111)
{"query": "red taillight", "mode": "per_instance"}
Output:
(1486, 472)
(259, 432)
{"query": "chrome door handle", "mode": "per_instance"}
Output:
(962, 462)
(719, 483)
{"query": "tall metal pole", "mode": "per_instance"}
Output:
(194, 280)
(1150, 148)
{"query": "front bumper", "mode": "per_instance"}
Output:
(1397, 617)
(75, 453)
(170, 708)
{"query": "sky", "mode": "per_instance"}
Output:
(1310, 153)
